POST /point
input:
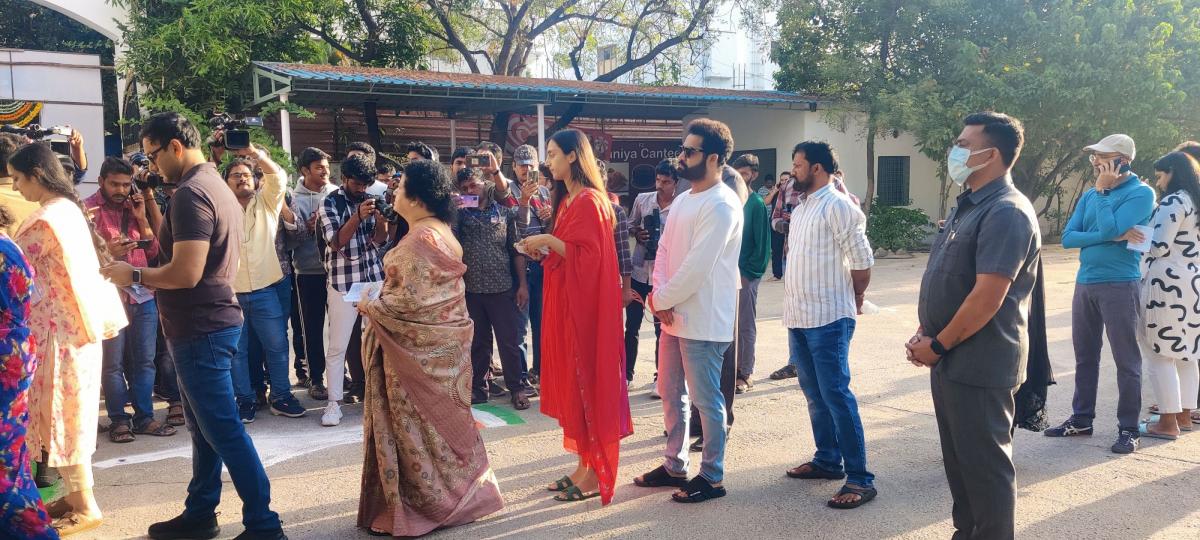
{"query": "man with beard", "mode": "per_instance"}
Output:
(121, 216)
(201, 238)
(823, 293)
(696, 284)
(262, 289)
(353, 235)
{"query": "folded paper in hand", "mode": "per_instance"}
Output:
(363, 291)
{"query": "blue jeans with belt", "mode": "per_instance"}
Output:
(203, 364)
(822, 359)
(130, 378)
(265, 314)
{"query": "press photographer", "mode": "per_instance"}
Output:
(229, 132)
(70, 152)
(646, 219)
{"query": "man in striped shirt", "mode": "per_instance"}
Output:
(828, 269)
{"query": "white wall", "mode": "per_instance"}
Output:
(69, 86)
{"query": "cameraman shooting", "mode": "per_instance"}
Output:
(646, 221)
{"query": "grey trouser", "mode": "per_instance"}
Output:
(1111, 308)
(747, 331)
(976, 428)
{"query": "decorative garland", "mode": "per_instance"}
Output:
(19, 113)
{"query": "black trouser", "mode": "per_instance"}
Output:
(298, 336)
(777, 241)
(634, 314)
(496, 312)
(311, 291)
(354, 360)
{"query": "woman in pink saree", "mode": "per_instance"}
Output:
(424, 466)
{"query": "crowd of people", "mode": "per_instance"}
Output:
(182, 275)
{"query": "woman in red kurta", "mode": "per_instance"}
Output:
(583, 356)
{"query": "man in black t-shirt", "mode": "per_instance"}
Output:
(200, 240)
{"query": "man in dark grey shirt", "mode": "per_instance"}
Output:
(974, 298)
(488, 234)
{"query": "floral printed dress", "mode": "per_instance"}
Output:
(22, 514)
(75, 309)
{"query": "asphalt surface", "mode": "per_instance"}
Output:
(1068, 488)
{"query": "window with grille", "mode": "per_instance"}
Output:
(892, 185)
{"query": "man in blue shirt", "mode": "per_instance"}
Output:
(1106, 290)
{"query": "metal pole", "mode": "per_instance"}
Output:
(541, 108)
(453, 135)
(285, 126)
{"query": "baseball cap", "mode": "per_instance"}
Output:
(525, 155)
(1118, 143)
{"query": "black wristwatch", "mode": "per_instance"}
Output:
(137, 276)
(938, 348)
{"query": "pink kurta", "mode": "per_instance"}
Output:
(73, 310)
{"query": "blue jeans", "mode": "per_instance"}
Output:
(218, 437)
(534, 275)
(691, 367)
(822, 359)
(131, 380)
(257, 356)
(265, 316)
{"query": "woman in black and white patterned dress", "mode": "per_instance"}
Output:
(1171, 297)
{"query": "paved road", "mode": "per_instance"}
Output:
(1068, 488)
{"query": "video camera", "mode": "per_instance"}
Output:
(653, 225)
(35, 132)
(145, 179)
(237, 135)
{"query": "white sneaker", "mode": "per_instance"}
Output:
(332, 415)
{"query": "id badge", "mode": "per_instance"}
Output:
(495, 219)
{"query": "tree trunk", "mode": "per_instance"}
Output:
(872, 127)
(499, 130)
(371, 116)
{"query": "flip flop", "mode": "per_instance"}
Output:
(660, 478)
(1154, 418)
(865, 495)
(698, 490)
(1144, 431)
(814, 473)
(573, 494)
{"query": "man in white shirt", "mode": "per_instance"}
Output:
(696, 282)
(828, 269)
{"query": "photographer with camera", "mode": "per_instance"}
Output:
(353, 232)
(359, 148)
(646, 220)
(261, 287)
(18, 208)
(488, 234)
(489, 158)
(229, 133)
(120, 214)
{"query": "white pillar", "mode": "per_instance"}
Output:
(285, 126)
(453, 135)
(541, 132)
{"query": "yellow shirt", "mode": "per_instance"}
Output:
(20, 208)
(258, 265)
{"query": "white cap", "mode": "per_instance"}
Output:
(1118, 143)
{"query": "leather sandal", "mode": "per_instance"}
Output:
(660, 477)
(120, 434)
(73, 523)
(865, 495)
(813, 473)
(561, 484)
(175, 415)
(519, 400)
(573, 494)
(155, 428)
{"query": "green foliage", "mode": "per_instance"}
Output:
(385, 33)
(896, 227)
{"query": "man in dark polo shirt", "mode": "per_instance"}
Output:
(974, 299)
(202, 321)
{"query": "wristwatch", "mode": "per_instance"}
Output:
(938, 348)
(137, 276)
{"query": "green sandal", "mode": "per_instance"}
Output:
(561, 484)
(573, 494)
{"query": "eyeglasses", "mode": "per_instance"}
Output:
(153, 155)
(687, 151)
(239, 176)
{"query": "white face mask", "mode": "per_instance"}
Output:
(956, 162)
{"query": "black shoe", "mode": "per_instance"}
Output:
(697, 446)
(302, 381)
(46, 476)
(318, 392)
(1127, 442)
(495, 390)
(246, 412)
(1069, 429)
(479, 397)
(288, 407)
(276, 534)
(182, 528)
(785, 372)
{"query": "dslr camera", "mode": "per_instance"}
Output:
(145, 179)
(386, 210)
(236, 129)
(653, 225)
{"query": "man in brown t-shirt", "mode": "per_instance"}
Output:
(201, 319)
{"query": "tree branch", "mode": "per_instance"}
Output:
(683, 37)
(333, 42)
(557, 16)
(451, 37)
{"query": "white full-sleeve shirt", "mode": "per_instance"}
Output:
(827, 240)
(696, 268)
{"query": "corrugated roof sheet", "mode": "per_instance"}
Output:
(404, 77)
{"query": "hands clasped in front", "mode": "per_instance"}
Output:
(919, 350)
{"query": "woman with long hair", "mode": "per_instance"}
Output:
(424, 466)
(22, 514)
(583, 360)
(68, 330)
(1170, 294)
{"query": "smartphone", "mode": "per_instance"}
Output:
(534, 175)
(144, 244)
(477, 161)
(468, 201)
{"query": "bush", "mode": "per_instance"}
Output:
(894, 227)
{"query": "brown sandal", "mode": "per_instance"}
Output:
(155, 428)
(175, 414)
(120, 433)
(520, 401)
